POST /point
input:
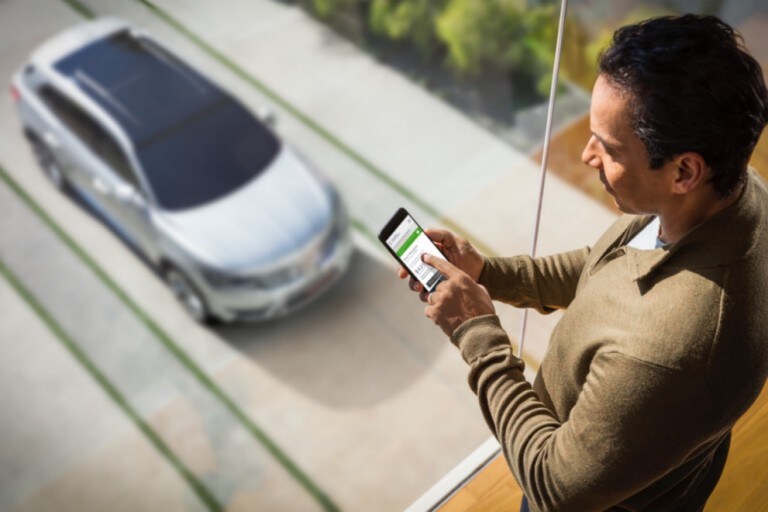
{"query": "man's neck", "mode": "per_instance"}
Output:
(677, 221)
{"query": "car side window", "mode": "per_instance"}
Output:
(90, 133)
(108, 150)
(68, 113)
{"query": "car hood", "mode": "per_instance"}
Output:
(274, 215)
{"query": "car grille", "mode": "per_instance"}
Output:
(280, 276)
(285, 275)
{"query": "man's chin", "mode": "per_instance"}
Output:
(619, 205)
(616, 202)
(623, 208)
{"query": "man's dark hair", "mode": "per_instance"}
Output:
(693, 87)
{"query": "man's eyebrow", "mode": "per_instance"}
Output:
(606, 145)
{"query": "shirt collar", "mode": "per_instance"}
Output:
(722, 239)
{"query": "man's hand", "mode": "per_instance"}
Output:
(458, 251)
(457, 299)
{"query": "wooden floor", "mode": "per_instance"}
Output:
(493, 489)
(743, 486)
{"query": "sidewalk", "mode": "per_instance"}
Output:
(61, 432)
(65, 449)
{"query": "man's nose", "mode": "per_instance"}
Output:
(589, 156)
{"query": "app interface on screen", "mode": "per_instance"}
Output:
(409, 242)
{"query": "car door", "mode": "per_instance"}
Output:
(71, 136)
(123, 194)
(96, 166)
(55, 123)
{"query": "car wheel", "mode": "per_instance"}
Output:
(48, 163)
(188, 296)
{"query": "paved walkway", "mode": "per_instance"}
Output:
(63, 419)
(67, 423)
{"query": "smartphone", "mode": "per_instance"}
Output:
(406, 241)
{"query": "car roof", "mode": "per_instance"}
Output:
(75, 38)
(143, 87)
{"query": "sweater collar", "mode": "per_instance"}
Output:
(722, 239)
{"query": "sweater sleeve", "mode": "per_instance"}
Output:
(633, 421)
(546, 284)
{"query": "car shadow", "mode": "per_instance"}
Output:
(361, 343)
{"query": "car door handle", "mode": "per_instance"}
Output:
(51, 141)
(100, 186)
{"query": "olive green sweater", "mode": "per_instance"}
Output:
(657, 355)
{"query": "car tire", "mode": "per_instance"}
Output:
(49, 165)
(187, 294)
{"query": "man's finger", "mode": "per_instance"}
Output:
(402, 273)
(436, 235)
(444, 266)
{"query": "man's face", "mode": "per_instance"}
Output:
(620, 156)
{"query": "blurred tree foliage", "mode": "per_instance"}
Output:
(408, 20)
(329, 8)
(514, 37)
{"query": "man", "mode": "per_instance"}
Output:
(664, 342)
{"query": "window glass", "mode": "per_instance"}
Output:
(112, 155)
(90, 133)
(69, 114)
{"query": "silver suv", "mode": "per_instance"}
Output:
(237, 223)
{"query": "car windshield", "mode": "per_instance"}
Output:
(206, 156)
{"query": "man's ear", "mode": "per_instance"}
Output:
(692, 172)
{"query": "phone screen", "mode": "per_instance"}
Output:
(408, 242)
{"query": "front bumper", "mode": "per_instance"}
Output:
(260, 305)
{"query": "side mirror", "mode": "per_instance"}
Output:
(267, 116)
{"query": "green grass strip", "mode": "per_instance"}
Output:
(174, 349)
(81, 9)
(206, 497)
(309, 122)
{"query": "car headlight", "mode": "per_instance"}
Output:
(222, 280)
(340, 215)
